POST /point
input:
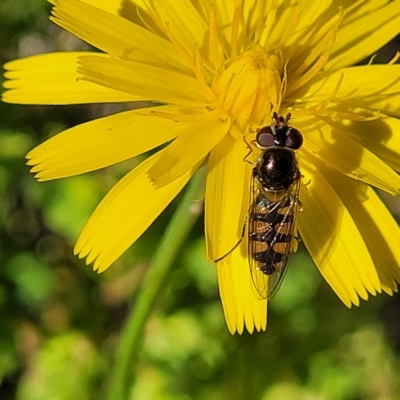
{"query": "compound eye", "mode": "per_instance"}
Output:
(265, 137)
(294, 139)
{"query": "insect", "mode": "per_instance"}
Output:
(274, 203)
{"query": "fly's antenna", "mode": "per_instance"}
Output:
(279, 120)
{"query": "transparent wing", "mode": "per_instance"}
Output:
(270, 235)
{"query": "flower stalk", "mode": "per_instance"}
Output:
(182, 222)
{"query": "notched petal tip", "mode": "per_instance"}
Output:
(242, 309)
(35, 168)
(37, 173)
(91, 257)
(108, 233)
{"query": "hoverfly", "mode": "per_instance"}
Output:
(274, 203)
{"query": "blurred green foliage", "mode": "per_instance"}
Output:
(60, 322)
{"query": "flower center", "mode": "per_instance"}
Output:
(250, 87)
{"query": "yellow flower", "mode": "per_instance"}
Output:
(220, 68)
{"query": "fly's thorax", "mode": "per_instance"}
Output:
(276, 169)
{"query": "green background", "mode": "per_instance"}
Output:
(60, 322)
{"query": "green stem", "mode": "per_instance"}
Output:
(175, 235)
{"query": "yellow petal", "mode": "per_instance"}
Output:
(383, 138)
(100, 143)
(239, 301)
(379, 136)
(189, 148)
(312, 19)
(114, 34)
(53, 79)
(311, 45)
(248, 19)
(124, 214)
(386, 104)
(112, 6)
(377, 226)
(147, 81)
(226, 202)
(363, 31)
(225, 11)
(133, 11)
(332, 237)
(358, 82)
(184, 21)
(336, 149)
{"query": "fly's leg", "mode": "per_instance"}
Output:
(294, 245)
(245, 158)
(236, 245)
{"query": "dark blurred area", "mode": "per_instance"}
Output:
(60, 321)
